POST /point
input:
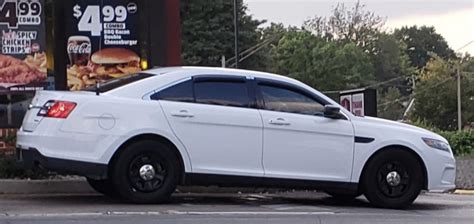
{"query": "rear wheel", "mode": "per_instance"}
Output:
(146, 172)
(393, 179)
(104, 187)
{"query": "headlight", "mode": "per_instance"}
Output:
(437, 144)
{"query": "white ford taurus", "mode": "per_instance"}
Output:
(140, 136)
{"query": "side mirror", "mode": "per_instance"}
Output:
(331, 111)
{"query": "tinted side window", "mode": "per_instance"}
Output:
(222, 93)
(182, 92)
(286, 100)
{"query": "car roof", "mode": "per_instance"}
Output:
(168, 75)
(197, 70)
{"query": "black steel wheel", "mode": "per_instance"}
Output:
(146, 172)
(393, 178)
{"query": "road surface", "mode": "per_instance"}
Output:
(289, 207)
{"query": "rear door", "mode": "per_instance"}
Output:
(213, 117)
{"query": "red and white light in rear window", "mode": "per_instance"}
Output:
(57, 109)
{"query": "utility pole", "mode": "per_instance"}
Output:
(459, 96)
(236, 34)
(459, 85)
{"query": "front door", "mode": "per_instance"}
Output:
(299, 142)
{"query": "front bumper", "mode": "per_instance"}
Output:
(441, 167)
(32, 159)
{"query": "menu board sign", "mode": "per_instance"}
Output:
(358, 104)
(102, 41)
(22, 57)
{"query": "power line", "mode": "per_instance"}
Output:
(415, 93)
(255, 48)
(369, 86)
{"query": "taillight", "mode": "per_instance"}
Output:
(57, 109)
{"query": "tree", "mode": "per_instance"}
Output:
(345, 25)
(321, 64)
(271, 36)
(208, 32)
(364, 29)
(435, 96)
(422, 42)
(390, 104)
(392, 63)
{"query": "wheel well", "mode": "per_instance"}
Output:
(391, 147)
(153, 137)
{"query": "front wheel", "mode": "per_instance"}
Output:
(393, 179)
(146, 172)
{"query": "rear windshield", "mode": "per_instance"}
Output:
(118, 82)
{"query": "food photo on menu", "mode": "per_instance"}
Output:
(23, 64)
(86, 70)
(30, 70)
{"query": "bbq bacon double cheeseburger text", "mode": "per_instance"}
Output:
(103, 65)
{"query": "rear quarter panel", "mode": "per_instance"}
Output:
(114, 120)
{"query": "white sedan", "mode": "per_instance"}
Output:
(140, 136)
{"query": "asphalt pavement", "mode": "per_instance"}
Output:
(209, 208)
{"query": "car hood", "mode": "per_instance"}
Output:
(383, 125)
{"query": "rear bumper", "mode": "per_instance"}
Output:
(32, 159)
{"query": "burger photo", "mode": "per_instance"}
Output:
(103, 65)
(114, 62)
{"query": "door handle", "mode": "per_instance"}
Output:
(182, 113)
(279, 121)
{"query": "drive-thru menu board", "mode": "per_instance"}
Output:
(22, 57)
(102, 41)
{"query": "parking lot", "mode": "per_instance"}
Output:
(288, 207)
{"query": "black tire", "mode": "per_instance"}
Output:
(104, 187)
(343, 196)
(382, 190)
(154, 187)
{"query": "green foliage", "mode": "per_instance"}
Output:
(348, 25)
(391, 62)
(208, 32)
(364, 29)
(421, 42)
(10, 169)
(436, 98)
(461, 142)
(389, 105)
(321, 64)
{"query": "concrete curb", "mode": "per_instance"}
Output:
(44, 186)
(464, 192)
(80, 186)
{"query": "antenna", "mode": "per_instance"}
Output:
(97, 86)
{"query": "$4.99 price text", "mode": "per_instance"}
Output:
(90, 20)
(20, 13)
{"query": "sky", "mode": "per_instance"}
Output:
(453, 19)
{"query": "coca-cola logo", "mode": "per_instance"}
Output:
(83, 48)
